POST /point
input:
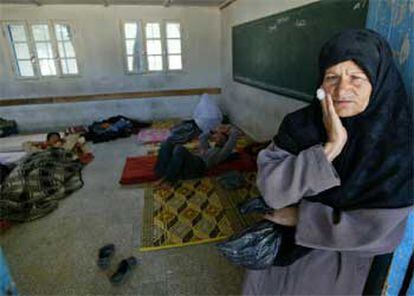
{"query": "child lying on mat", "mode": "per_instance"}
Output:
(52, 140)
(175, 162)
(73, 143)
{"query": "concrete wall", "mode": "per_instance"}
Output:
(258, 112)
(99, 50)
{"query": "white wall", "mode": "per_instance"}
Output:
(99, 48)
(258, 112)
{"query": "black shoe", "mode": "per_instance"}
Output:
(105, 255)
(124, 269)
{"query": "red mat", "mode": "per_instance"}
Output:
(141, 169)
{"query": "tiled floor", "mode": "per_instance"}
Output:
(56, 255)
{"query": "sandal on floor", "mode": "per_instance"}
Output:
(105, 255)
(124, 269)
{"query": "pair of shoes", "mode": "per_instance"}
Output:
(124, 268)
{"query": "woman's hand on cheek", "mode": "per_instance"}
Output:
(337, 134)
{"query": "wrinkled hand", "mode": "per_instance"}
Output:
(287, 216)
(337, 134)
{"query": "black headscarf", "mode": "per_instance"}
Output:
(376, 164)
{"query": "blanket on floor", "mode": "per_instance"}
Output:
(152, 135)
(34, 187)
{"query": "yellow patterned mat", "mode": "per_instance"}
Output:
(194, 212)
(163, 124)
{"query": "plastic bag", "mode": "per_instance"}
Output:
(207, 114)
(254, 248)
(264, 244)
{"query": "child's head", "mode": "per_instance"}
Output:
(53, 138)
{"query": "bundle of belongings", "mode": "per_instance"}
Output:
(33, 187)
(7, 127)
(113, 128)
(74, 143)
(206, 118)
(78, 129)
(263, 244)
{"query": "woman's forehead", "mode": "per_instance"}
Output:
(348, 66)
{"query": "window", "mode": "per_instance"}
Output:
(43, 45)
(133, 47)
(154, 47)
(42, 49)
(65, 49)
(162, 43)
(174, 46)
(19, 43)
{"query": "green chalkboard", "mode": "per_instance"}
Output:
(279, 53)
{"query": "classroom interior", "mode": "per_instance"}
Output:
(65, 64)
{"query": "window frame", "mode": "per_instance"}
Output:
(144, 35)
(37, 61)
(124, 49)
(11, 49)
(33, 51)
(144, 55)
(75, 45)
(166, 21)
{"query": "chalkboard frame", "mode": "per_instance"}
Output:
(290, 91)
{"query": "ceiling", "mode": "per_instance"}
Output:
(166, 3)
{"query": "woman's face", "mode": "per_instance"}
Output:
(349, 88)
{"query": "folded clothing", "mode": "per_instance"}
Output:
(78, 129)
(141, 169)
(184, 132)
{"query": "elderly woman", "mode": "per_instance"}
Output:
(339, 171)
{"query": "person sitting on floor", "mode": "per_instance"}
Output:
(207, 116)
(175, 162)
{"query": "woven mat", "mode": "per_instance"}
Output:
(194, 212)
(165, 124)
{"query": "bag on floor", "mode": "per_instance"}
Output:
(7, 127)
(264, 244)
